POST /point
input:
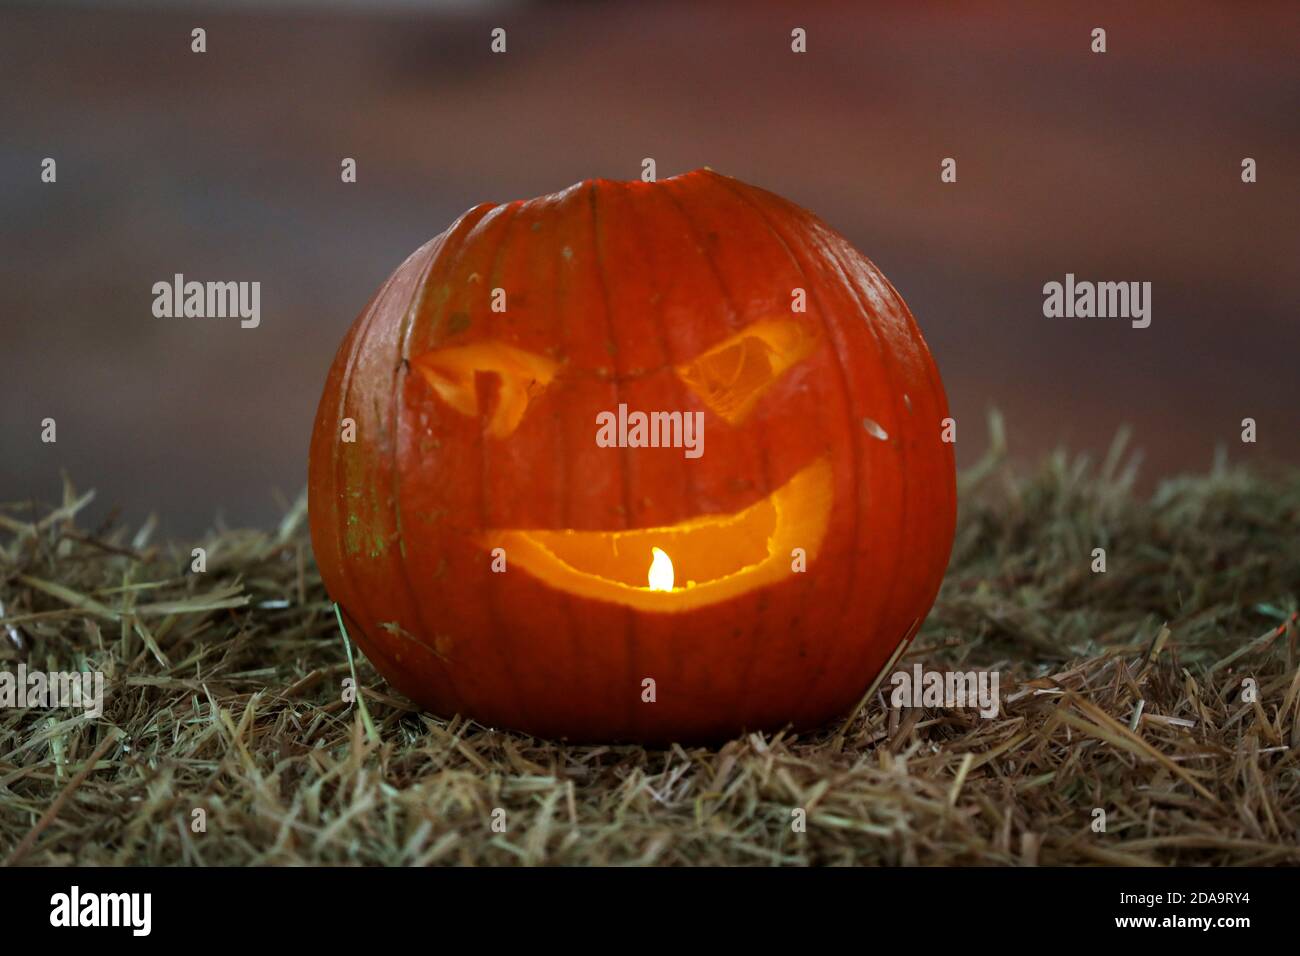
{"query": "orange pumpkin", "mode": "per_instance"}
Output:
(505, 542)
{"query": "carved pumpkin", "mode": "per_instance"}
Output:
(492, 557)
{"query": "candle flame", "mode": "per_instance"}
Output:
(661, 571)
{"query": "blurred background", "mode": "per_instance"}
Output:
(225, 166)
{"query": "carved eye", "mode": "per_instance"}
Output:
(453, 374)
(731, 376)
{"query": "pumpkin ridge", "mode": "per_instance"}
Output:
(557, 437)
(834, 343)
(629, 618)
(397, 407)
(453, 242)
(896, 429)
(337, 490)
(509, 214)
(831, 247)
(637, 216)
(761, 627)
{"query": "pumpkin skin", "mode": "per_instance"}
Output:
(472, 423)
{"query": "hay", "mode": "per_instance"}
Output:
(1122, 691)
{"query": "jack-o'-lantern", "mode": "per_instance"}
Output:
(634, 461)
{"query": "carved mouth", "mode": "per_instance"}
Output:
(713, 557)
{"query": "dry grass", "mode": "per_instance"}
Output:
(1121, 691)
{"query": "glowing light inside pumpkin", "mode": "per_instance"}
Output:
(716, 556)
(661, 571)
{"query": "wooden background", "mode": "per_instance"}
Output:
(1124, 166)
